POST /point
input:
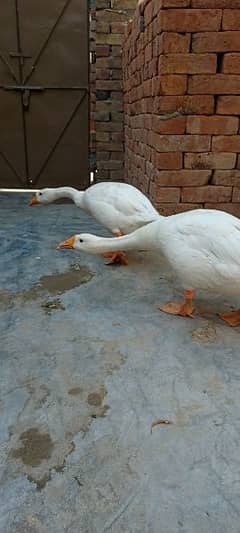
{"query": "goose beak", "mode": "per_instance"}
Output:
(34, 201)
(69, 243)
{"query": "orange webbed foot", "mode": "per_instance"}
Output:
(233, 318)
(117, 258)
(185, 308)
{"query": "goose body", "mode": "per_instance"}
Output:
(120, 207)
(202, 246)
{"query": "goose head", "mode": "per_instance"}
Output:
(84, 242)
(44, 196)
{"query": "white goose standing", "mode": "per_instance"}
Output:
(202, 246)
(119, 207)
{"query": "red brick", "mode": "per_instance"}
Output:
(228, 143)
(109, 62)
(103, 27)
(173, 84)
(108, 85)
(210, 160)
(170, 209)
(236, 194)
(226, 177)
(147, 88)
(157, 46)
(102, 73)
(152, 67)
(191, 20)
(109, 38)
(116, 74)
(209, 193)
(170, 160)
(148, 13)
(172, 43)
(217, 84)
(225, 41)
(233, 209)
(179, 143)
(231, 19)
(186, 104)
(117, 137)
(102, 136)
(176, 3)
(215, 4)
(111, 147)
(168, 194)
(110, 165)
(117, 175)
(102, 50)
(172, 125)
(210, 125)
(231, 63)
(110, 126)
(156, 86)
(116, 50)
(228, 105)
(183, 178)
(238, 161)
(187, 63)
(118, 27)
(148, 53)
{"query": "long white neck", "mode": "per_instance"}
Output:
(145, 238)
(68, 192)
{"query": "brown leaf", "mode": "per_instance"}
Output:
(160, 421)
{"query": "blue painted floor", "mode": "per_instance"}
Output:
(87, 364)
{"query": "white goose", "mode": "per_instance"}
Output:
(118, 206)
(202, 246)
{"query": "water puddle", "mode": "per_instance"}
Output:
(54, 284)
(36, 447)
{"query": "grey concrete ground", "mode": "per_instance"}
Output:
(87, 364)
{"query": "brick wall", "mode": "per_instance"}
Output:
(181, 66)
(107, 28)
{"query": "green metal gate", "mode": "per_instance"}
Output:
(44, 128)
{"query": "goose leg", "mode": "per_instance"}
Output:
(116, 258)
(233, 318)
(185, 308)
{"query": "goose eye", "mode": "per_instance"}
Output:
(80, 240)
(40, 194)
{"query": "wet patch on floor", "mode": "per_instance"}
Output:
(37, 455)
(58, 283)
(41, 482)
(36, 451)
(93, 401)
(95, 398)
(75, 391)
(52, 305)
(5, 298)
(54, 284)
(36, 447)
(207, 333)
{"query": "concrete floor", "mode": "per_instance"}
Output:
(87, 364)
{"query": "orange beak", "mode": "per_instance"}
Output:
(69, 243)
(34, 201)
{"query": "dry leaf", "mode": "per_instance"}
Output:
(160, 421)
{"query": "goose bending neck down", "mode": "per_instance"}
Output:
(202, 246)
(119, 207)
(48, 195)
